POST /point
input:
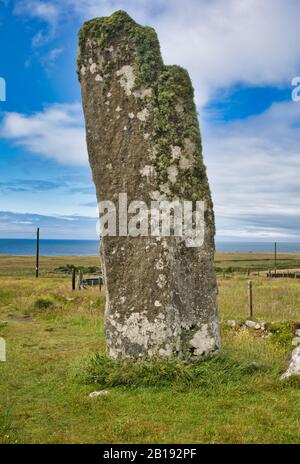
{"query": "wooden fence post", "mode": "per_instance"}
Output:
(37, 258)
(73, 278)
(250, 299)
(80, 279)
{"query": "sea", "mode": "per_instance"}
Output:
(27, 247)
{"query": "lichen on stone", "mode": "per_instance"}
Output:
(143, 138)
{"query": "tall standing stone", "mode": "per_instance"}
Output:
(143, 139)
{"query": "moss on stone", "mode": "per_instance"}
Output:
(172, 128)
(171, 85)
(104, 30)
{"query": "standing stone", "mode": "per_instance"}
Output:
(143, 140)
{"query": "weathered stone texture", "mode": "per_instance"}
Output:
(294, 367)
(143, 138)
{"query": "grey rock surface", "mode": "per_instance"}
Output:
(296, 341)
(250, 324)
(294, 367)
(96, 394)
(143, 139)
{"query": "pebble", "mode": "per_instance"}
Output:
(95, 394)
(296, 341)
(250, 324)
(231, 323)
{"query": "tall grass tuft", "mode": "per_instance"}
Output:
(210, 372)
(41, 304)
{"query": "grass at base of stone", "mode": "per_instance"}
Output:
(206, 373)
(243, 359)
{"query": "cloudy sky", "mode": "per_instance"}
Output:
(242, 57)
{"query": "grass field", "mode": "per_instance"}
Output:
(52, 335)
(16, 265)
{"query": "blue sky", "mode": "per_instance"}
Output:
(242, 57)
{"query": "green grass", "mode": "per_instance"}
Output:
(273, 299)
(49, 265)
(56, 357)
(229, 262)
(241, 262)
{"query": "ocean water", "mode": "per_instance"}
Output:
(90, 247)
(49, 247)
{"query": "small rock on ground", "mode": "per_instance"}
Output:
(294, 367)
(250, 324)
(296, 341)
(231, 323)
(95, 394)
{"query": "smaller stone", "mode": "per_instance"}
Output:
(257, 326)
(297, 332)
(95, 394)
(294, 367)
(2, 350)
(231, 323)
(296, 341)
(250, 324)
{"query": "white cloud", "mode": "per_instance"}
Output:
(54, 53)
(45, 11)
(253, 166)
(56, 133)
(40, 38)
(220, 42)
(23, 225)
